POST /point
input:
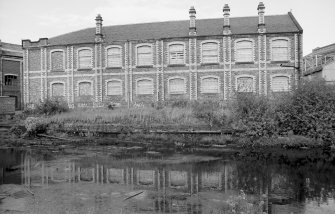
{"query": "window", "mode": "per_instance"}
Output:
(280, 84)
(144, 55)
(85, 58)
(114, 87)
(210, 85)
(244, 51)
(245, 84)
(176, 54)
(57, 89)
(57, 60)
(144, 86)
(10, 80)
(280, 50)
(114, 57)
(85, 89)
(210, 52)
(177, 86)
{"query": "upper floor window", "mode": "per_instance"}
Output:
(57, 89)
(114, 87)
(176, 54)
(210, 85)
(280, 84)
(85, 89)
(279, 50)
(210, 52)
(144, 55)
(245, 84)
(244, 51)
(144, 86)
(11, 79)
(85, 58)
(177, 86)
(57, 60)
(114, 58)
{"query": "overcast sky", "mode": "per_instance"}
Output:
(33, 19)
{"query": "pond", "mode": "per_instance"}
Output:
(135, 180)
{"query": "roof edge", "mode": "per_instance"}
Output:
(295, 22)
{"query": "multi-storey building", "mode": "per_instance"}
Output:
(165, 61)
(11, 71)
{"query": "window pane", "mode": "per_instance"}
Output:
(280, 84)
(57, 60)
(244, 51)
(11, 80)
(280, 50)
(210, 85)
(85, 59)
(245, 84)
(114, 57)
(210, 52)
(114, 88)
(144, 55)
(176, 54)
(57, 89)
(144, 87)
(85, 88)
(177, 86)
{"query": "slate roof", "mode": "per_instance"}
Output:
(173, 29)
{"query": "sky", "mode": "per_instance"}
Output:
(34, 19)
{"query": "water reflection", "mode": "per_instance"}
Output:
(196, 187)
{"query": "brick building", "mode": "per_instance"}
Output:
(11, 57)
(165, 61)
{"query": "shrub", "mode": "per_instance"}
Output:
(48, 107)
(35, 126)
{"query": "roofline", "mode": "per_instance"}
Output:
(295, 22)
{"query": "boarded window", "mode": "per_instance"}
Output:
(144, 55)
(57, 61)
(144, 87)
(11, 80)
(245, 84)
(85, 89)
(244, 51)
(85, 59)
(57, 89)
(176, 54)
(280, 83)
(177, 86)
(210, 85)
(280, 50)
(210, 52)
(114, 87)
(114, 57)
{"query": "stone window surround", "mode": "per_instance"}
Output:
(252, 46)
(84, 48)
(176, 77)
(209, 76)
(106, 55)
(57, 82)
(110, 80)
(246, 75)
(50, 58)
(144, 78)
(176, 43)
(152, 53)
(218, 50)
(82, 81)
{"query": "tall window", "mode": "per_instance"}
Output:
(280, 50)
(144, 55)
(85, 89)
(177, 86)
(57, 60)
(245, 84)
(280, 84)
(210, 52)
(144, 86)
(114, 57)
(85, 58)
(176, 54)
(114, 87)
(11, 80)
(244, 51)
(57, 89)
(210, 85)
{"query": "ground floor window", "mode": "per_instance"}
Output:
(280, 84)
(85, 89)
(144, 86)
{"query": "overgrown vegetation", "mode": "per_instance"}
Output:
(48, 107)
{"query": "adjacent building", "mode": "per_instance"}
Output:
(195, 59)
(11, 57)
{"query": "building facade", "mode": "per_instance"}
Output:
(11, 57)
(165, 61)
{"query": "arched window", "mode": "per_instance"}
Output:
(114, 87)
(11, 80)
(245, 84)
(114, 58)
(177, 86)
(144, 86)
(57, 89)
(279, 50)
(176, 54)
(210, 85)
(85, 58)
(210, 52)
(57, 60)
(244, 51)
(85, 89)
(144, 55)
(280, 84)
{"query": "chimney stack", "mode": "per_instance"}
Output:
(98, 28)
(261, 21)
(192, 29)
(226, 22)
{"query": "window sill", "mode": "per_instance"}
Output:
(210, 63)
(176, 65)
(282, 61)
(176, 93)
(144, 94)
(114, 67)
(84, 69)
(113, 95)
(57, 71)
(241, 63)
(144, 66)
(209, 92)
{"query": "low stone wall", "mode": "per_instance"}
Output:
(7, 105)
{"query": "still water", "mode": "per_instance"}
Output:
(133, 180)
